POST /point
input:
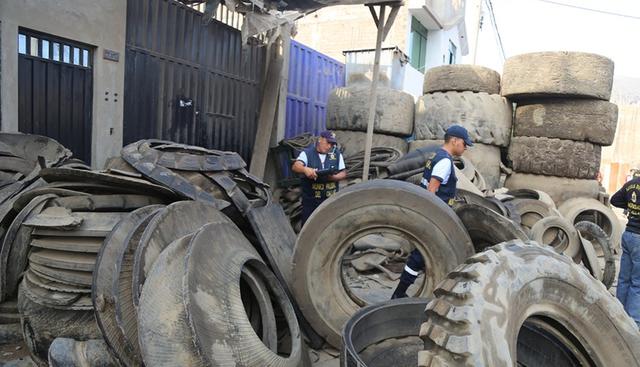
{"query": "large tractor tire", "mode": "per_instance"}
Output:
(592, 121)
(372, 207)
(486, 307)
(557, 74)
(461, 78)
(487, 117)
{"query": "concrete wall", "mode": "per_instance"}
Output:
(100, 23)
(349, 27)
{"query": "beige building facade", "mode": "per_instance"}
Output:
(100, 26)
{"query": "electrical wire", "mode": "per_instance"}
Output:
(590, 9)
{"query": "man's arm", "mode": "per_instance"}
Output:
(299, 167)
(619, 199)
(434, 185)
(342, 174)
(338, 176)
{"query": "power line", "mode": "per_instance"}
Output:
(590, 9)
(495, 27)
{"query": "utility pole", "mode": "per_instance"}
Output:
(383, 25)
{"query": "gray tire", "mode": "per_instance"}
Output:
(559, 188)
(555, 157)
(558, 233)
(371, 207)
(488, 228)
(531, 211)
(580, 209)
(348, 109)
(580, 120)
(536, 287)
(602, 244)
(352, 142)
(487, 117)
(561, 74)
(461, 78)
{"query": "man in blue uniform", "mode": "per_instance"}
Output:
(440, 178)
(628, 292)
(322, 166)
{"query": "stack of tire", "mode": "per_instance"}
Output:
(562, 120)
(467, 95)
(348, 115)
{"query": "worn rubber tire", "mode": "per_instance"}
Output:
(41, 325)
(488, 228)
(352, 142)
(555, 157)
(460, 78)
(384, 334)
(569, 247)
(487, 117)
(578, 209)
(592, 121)
(559, 188)
(531, 211)
(166, 341)
(104, 275)
(348, 109)
(599, 239)
(557, 74)
(369, 207)
(173, 221)
(480, 308)
(229, 337)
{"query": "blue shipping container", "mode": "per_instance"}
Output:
(312, 76)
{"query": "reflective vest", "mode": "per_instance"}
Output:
(446, 192)
(321, 188)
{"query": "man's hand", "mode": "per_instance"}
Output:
(310, 173)
(299, 167)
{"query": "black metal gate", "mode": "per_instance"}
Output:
(188, 82)
(55, 86)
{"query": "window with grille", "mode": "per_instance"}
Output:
(51, 48)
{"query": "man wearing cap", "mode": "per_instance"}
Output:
(440, 178)
(322, 166)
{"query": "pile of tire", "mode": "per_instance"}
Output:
(107, 266)
(563, 118)
(348, 115)
(467, 95)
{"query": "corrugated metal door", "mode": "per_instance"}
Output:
(55, 86)
(188, 82)
(312, 76)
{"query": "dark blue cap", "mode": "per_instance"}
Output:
(459, 132)
(330, 136)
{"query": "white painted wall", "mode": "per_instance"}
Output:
(100, 23)
(438, 47)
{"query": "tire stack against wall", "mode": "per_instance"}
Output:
(348, 115)
(467, 95)
(562, 120)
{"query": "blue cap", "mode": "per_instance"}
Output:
(330, 136)
(459, 132)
